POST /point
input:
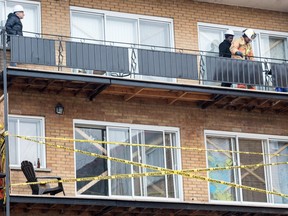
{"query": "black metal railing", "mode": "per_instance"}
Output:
(141, 61)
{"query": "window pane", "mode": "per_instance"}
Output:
(221, 159)
(279, 172)
(80, 21)
(13, 150)
(121, 30)
(155, 186)
(210, 39)
(273, 47)
(252, 177)
(120, 186)
(2, 14)
(89, 166)
(154, 33)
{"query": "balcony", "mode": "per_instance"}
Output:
(174, 76)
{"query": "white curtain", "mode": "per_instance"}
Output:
(122, 30)
(154, 33)
(85, 25)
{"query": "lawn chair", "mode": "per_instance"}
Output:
(38, 189)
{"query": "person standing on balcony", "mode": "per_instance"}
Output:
(241, 48)
(13, 24)
(224, 49)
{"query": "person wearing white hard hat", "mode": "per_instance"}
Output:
(13, 24)
(241, 48)
(224, 49)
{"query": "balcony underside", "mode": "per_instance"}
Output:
(204, 97)
(85, 206)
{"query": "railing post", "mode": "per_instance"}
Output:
(202, 68)
(7, 169)
(133, 61)
(60, 54)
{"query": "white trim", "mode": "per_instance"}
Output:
(117, 124)
(162, 129)
(264, 138)
(121, 14)
(239, 28)
(43, 147)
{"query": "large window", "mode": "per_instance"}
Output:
(21, 149)
(267, 43)
(122, 29)
(271, 178)
(32, 19)
(166, 186)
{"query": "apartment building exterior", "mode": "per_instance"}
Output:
(140, 81)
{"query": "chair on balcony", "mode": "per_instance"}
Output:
(39, 189)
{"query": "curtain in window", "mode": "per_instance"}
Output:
(120, 186)
(86, 25)
(273, 47)
(23, 149)
(154, 34)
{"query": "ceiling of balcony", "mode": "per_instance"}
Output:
(275, 5)
(203, 97)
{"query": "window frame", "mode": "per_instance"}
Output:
(41, 149)
(103, 124)
(267, 170)
(257, 42)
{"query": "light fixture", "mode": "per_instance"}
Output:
(59, 109)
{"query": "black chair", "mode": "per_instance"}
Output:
(38, 189)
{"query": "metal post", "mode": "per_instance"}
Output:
(7, 168)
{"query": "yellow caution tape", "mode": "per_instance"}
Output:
(152, 146)
(163, 171)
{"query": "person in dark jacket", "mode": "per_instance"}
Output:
(224, 49)
(13, 24)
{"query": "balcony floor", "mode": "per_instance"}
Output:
(79, 85)
(89, 206)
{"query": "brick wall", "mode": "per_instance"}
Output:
(191, 121)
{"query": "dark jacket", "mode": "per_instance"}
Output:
(224, 49)
(13, 26)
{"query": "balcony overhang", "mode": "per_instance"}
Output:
(274, 5)
(75, 205)
(197, 96)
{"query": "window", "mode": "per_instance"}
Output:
(267, 43)
(21, 149)
(121, 29)
(32, 19)
(167, 186)
(270, 178)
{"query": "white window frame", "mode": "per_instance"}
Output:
(238, 135)
(137, 17)
(131, 127)
(41, 148)
(259, 32)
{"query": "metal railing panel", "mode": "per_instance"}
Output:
(30, 50)
(279, 75)
(167, 64)
(219, 69)
(97, 57)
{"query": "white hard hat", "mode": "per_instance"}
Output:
(250, 34)
(18, 8)
(229, 32)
